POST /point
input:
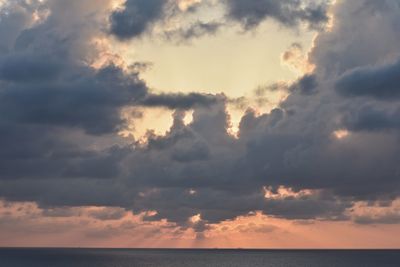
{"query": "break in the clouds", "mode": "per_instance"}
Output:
(330, 145)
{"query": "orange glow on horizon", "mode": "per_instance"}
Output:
(112, 227)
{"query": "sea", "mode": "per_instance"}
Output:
(24, 257)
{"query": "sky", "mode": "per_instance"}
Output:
(200, 123)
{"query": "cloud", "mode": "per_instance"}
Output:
(96, 96)
(14, 18)
(107, 214)
(135, 17)
(28, 68)
(193, 31)
(305, 85)
(379, 82)
(288, 12)
(296, 58)
(138, 17)
(369, 118)
(45, 82)
(60, 117)
(392, 218)
(351, 47)
(50, 93)
(179, 100)
(377, 212)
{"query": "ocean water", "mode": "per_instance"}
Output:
(196, 258)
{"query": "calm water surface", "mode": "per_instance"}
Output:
(196, 258)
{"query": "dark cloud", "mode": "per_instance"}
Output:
(28, 68)
(305, 85)
(388, 217)
(369, 118)
(90, 100)
(288, 12)
(379, 82)
(197, 151)
(135, 18)
(48, 95)
(307, 208)
(179, 100)
(44, 81)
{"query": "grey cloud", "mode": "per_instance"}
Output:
(350, 42)
(369, 118)
(228, 183)
(199, 29)
(288, 12)
(179, 100)
(387, 218)
(89, 99)
(195, 30)
(305, 85)
(14, 18)
(46, 95)
(28, 68)
(380, 82)
(44, 82)
(136, 17)
(52, 192)
(305, 208)
(139, 16)
(107, 214)
(196, 151)
(63, 212)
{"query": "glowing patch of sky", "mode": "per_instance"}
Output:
(231, 62)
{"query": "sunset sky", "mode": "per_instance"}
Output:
(200, 123)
